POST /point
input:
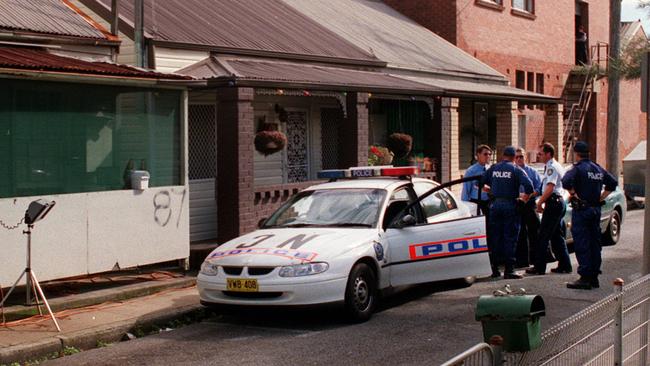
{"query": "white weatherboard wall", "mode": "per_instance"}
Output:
(91, 232)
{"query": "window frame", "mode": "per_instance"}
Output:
(528, 10)
(491, 4)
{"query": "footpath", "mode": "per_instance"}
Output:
(95, 311)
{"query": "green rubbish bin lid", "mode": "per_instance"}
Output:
(509, 307)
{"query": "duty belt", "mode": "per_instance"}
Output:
(504, 199)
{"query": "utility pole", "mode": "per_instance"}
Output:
(613, 89)
(645, 94)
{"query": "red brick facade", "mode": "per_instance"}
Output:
(540, 44)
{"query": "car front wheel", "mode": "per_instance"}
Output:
(361, 293)
(613, 232)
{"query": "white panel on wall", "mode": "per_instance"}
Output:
(171, 59)
(89, 232)
(135, 228)
(58, 241)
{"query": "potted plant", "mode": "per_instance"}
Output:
(400, 144)
(268, 139)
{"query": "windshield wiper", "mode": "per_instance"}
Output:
(348, 224)
(300, 224)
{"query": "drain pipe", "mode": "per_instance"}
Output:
(139, 33)
(115, 12)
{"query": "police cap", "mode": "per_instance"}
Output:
(581, 147)
(509, 151)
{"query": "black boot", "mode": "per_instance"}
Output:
(510, 274)
(495, 272)
(583, 283)
(594, 282)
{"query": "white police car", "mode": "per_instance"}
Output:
(347, 240)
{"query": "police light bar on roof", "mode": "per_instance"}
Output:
(368, 172)
(333, 174)
(400, 171)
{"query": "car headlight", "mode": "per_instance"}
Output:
(305, 269)
(209, 269)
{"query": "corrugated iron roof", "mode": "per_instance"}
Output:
(40, 60)
(456, 87)
(45, 16)
(268, 25)
(293, 74)
(392, 37)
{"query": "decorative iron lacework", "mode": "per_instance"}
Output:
(297, 146)
(201, 137)
(340, 97)
(330, 119)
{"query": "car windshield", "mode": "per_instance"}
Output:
(330, 208)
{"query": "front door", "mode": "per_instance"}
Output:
(444, 244)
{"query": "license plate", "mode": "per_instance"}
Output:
(242, 285)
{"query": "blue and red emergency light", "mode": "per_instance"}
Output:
(368, 172)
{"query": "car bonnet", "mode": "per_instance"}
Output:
(274, 247)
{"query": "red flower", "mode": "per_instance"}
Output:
(376, 151)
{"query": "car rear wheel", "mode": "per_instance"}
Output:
(360, 293)
(613, 232)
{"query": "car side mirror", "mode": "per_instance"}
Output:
(407, 220)
(261, 222)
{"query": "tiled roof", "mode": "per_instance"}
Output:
(46, 16)
(34, 59)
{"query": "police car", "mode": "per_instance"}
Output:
(611, 216)
(365, 231)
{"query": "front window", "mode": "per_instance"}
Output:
(58, 138)
(330, 208)
(525, 5)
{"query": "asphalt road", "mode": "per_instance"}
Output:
(424, 325)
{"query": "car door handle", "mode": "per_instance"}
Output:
(470, 233)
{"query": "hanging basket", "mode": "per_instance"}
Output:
(400, 144)
(270, 142)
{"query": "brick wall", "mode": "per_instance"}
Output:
(436, 15)
(235, 129)
(632, 123)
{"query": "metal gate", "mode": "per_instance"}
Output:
(202, 171)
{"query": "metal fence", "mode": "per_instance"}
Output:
(613, 331)
(480, 355)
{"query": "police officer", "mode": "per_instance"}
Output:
(585, 184)
(552, 228)
(472, 193)
(503, 181)
(529, 221)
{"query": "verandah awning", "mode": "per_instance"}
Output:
(219, 71)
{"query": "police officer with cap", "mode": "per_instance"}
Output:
(503, 180)
(585, 184)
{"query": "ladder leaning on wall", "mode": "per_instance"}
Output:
(599, 64)
(574, 123)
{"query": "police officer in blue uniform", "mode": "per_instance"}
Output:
(503, 180)
(585, 184)
(552, 228)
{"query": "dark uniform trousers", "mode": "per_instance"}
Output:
(527, 242)
(585, 229)
(553, 229)
(485, 210)
(504, 228)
